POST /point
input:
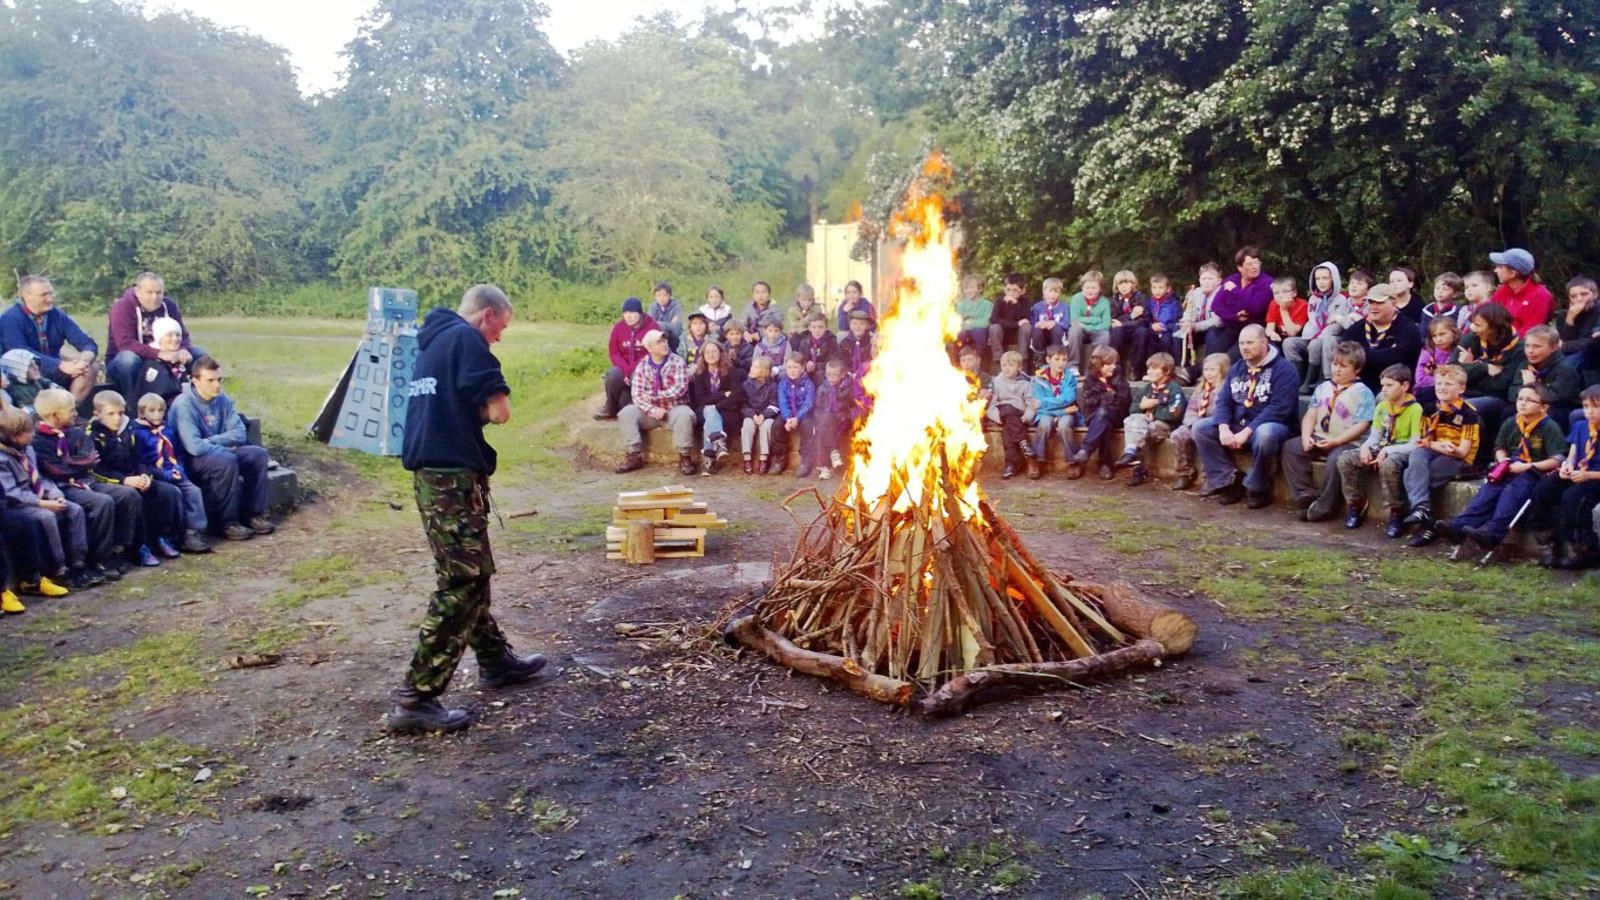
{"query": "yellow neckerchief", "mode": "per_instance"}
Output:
(1444, 410)
(1254, 373)
(1588, 453)
(1525, 450)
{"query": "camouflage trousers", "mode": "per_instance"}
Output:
(455, 517)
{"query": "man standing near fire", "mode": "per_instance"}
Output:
(456, 388)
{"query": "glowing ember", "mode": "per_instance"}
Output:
(922, 404)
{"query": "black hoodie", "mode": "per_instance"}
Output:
(455, 374)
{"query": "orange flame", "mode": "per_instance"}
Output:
(854, 214)
(922, 405)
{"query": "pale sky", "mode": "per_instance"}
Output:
(315, 31)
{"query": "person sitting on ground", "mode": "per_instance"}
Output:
(23, 382)
(797, 397)
(1528, 445)
(132, 341)
(1326, 308)
(1202, 405)
(1090, 314)
(975, 311)
(626, 349)
(1130, 319)
(760, 309)
(858, 346)
(1055, 411)
(231, 472)
(1011, 404)
(1159, 405)
(1257, 411)
(1010, 320)
(1103, 401)
(797, 315)
(667, 313)
(717, 396)
(1386, 338)
(833, 418)
(1447, 290)
(1338, 417)
(1520, 291)
(1545, 366)
(1451, 430)
(817, 344)
(119, 463)
(158, 375)
(158, 455)
(112, 513)
(1564, 503)
(695, 339)
(1396, 428)
(760, 413)
(719, 314)
(742, 352)
(35, 511)
(853, 303)
(660, 400)
(34, 323)
(1288, 314)
(774, 344)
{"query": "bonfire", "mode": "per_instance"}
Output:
(908, 587)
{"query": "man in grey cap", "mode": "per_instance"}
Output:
(1520, 291)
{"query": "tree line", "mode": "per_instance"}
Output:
(462, 146)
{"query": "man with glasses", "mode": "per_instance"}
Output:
(34, 324)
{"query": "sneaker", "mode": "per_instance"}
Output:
(10, 604)
(146, 558)
(165, 549)
(1419, 515)
(117, 565)
(1397, 524)
(1081, 457)
(765, 467)
(1127, 461)
(1027, 449)
(719, 449)
(194, 542)
(836, 459)
(803, 472)
(1235, 480)
(80, 580)
(1482, 537)
(1140, 476)
(233, 531)
(686, 464)
(1258, 500)
(1009, 472)
(1355, 515)
(44, 587)
(260, 524)
(706, 462)
(101, 574)
(825, 472)
(749, 465)
(1423, 536)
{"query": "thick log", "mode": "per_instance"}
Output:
(639, 547)
(1143, 617)
(959, 693)
(846, 672)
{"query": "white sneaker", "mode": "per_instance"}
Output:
(825, 472)
(837, 459)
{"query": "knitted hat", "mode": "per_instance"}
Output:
(16, 363)
(162, 327)
(633, 304)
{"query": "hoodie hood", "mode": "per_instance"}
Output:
(439, 321)
(1338, 282)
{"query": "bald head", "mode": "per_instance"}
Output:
(1253, 343)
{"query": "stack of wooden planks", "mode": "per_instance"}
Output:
(664, 523)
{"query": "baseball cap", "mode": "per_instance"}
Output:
(1380, 293)
(1516, 257)
(651, 336)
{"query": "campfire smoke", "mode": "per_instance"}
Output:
(908, 581)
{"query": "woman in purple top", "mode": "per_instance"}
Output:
(1243, 300)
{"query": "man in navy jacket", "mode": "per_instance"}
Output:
(1258, 410)
(34, 324)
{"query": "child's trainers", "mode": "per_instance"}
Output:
(836, 459)
(165, 549)
(104, 574)
(146, 558)
(9, 602)
(80, 579)
(825, 472)
(44, 587)
(1130, 458)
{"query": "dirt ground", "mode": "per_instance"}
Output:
(656, 763)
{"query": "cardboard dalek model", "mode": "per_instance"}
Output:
(366, 410)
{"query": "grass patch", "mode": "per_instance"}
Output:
(321, 578)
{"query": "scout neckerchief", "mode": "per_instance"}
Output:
(33, 473)
(1380, 339)
(1498, 358)
(1318, 315)
(1159, 392)
(63, 452)
(1124, 306)
(716, 379)
(656, 377)
(1333, 400)
(855, 355)
(1588, 453)
(166, 454)
(1395, 414)
(1055, 381)
(695, 345)
(791, 389)
(1434, 310)
(1254, 374)
(1444, 411)
(1525, 449)
(816, 351)
(1539, 371)
(1206, 390)
(778, 352)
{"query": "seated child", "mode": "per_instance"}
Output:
(1051, 319)
(816, 343)
(1527, 445)
(716, 397)
(1344, 313)
(667, 313)
(1396, 428)
(760, 412)
(1339, 416)
(760, 308)
(159, 456)
(853, 303)
(1451, 430)
(797, 396)
(1130, 319)
(22, 371)
(1446, 289)
(1199, 319)
(1544, 365)
(799, 313)
(971, 359)
(1565, 500)
(1160, 409)
(716, 310)
(1287, 315)
(1161, 335)
(974, 310)
(1103, 400)
(1010, 320)
(157, 376)
(119, 463)
(9, 602)
(695, 339)
(113, 513)
(1324, 304)
(1055, 408)
(1578, 325)
(1477, 288)
(774, 344)
(742, 351)
(1213, 371)
(857, 346)
(1090, 311)
(36, 512)
(1442, 349)
(832, 420)
(1011, 404)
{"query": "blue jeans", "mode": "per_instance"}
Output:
(1217, 461)
(1495, 505)
(234, 482)
(711, 422)
(1062, 426)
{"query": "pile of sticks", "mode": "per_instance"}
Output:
(921, 592)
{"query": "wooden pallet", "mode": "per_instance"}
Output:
(669, 518)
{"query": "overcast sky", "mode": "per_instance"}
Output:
(315, 31)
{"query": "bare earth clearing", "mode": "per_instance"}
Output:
(659, 763)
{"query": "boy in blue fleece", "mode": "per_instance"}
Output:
(1055, 396)
(796, 397)
(231, 473)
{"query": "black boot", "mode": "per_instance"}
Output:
(1140, 475)
(415, 712)
(510, 669)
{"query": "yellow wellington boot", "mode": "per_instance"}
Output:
(9, 602)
